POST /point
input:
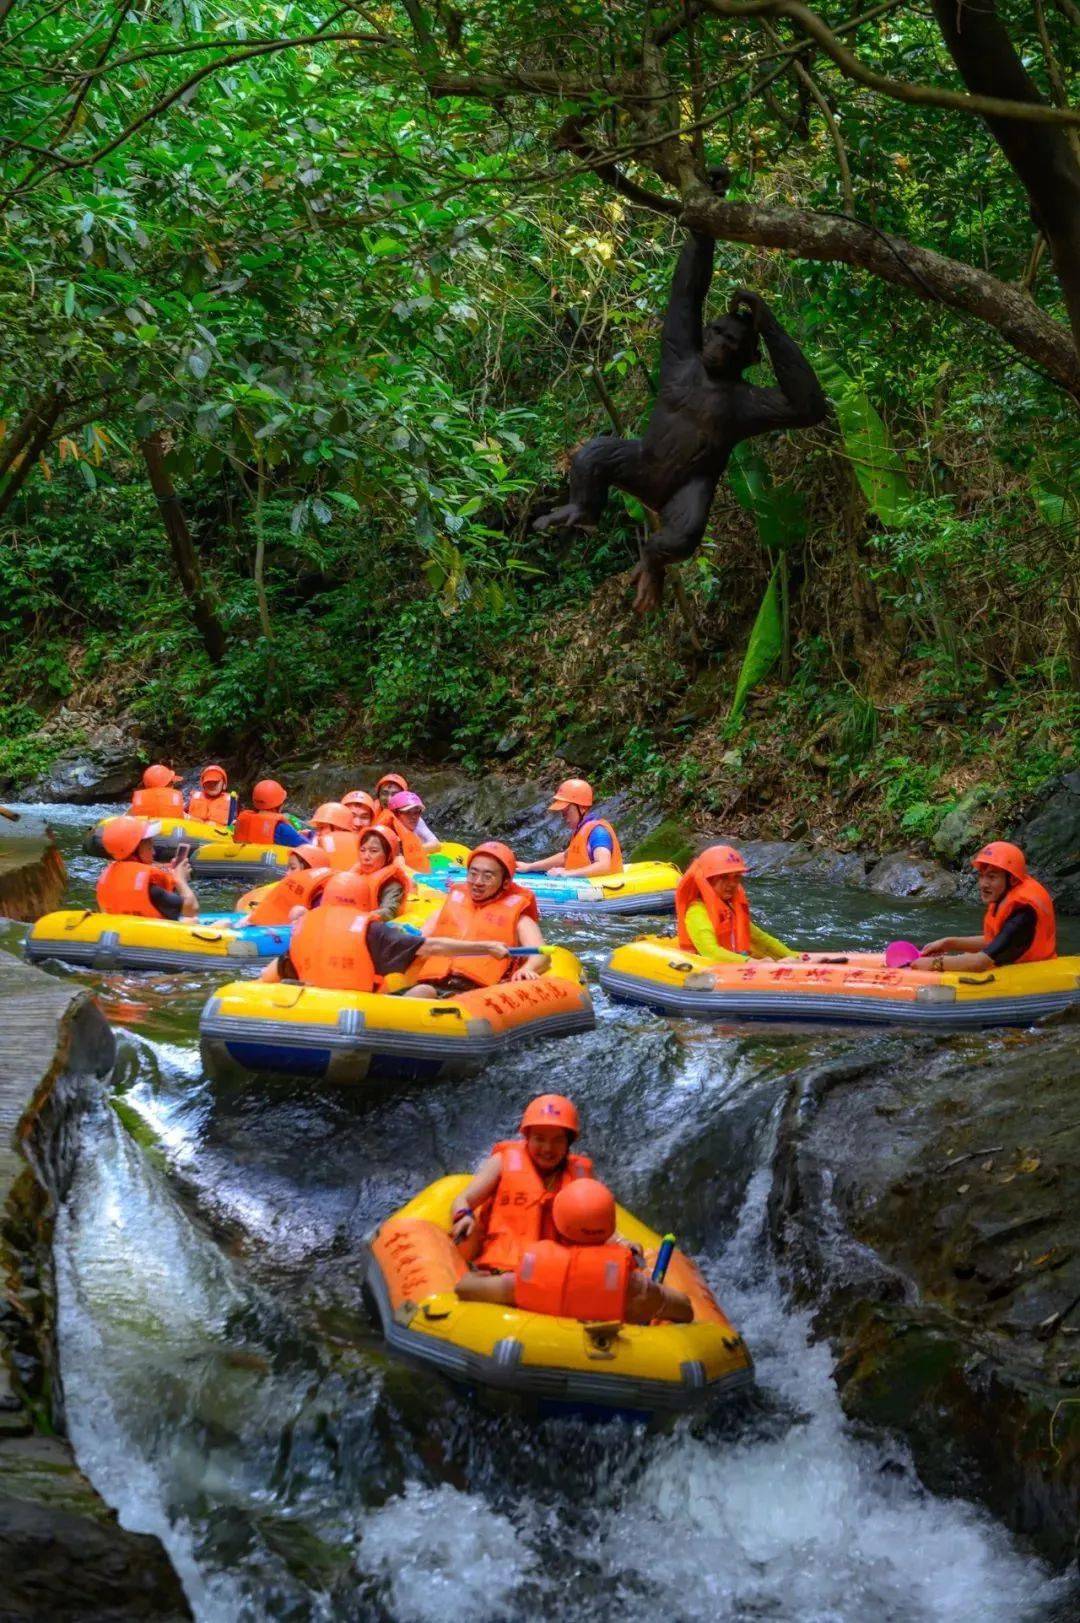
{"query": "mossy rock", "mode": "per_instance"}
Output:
(670, 842)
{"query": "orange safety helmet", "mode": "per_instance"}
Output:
(214, 772)
(584, 1212)
(122, 836)
(268, 795)
(390, 839)
(159, 777)
(552, 1110)
(1001, 854)
(573, 792)
(360, 797)
(332, 814)
(502, 854)
(391, 777)
(345, 890)
(719, 859)
(312, 856)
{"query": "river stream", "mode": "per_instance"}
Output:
(227, 1390)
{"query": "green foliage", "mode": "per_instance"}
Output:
(763, 648)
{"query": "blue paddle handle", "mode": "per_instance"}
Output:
(526, 952)
(663, 1257)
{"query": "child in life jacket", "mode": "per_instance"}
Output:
(584, 1272)
(1019, 925)
(508, 1203)
(133, 883)
(593, 848)
(713, 915)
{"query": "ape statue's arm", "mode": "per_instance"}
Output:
(800, 401)
(682, 334)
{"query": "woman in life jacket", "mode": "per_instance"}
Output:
(364, 807)
(1019, 926)
(305, 879)
(593, 848)
(157, 795)
(508, 1203)
(403, 815)
(266, 822)
(387, 880)
(211, 802)
(487, 905)
(584, 1272)
(340, 946)
(713, 914)
(133, 883)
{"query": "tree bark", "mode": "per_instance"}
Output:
(1043, 156)
(182, 547)
(28, 442)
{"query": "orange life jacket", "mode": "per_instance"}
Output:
(412, 846)
(157, 803)
(497, 920)
(256, 827)
(519, 1211)
(375, 883)
(299, 888)
(340, 847)
(574, 1281)
(210, 808)
(730, 920)
(329, 948)
(577, 852)
(1028, 893)
(124, 887)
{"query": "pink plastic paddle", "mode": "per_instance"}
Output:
(899, 954)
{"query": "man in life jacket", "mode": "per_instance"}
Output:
(1018, 925)
(487, 905)
(133, 883)
(212, 802)
(339, 946)
(391, 783)
(387, 881)
(403, 815)
(266, 821)
(594, 846)
(584, 1272)
(713, 914)
(158, 796)
(364, 807)
(335, 833)
(305, 878)
(508, 1203)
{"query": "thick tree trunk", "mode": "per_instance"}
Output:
(183, 549)
(1043, 156)
(27, 443)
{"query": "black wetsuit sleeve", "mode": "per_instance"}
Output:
(392, 951)
(1014, 938)
(169, 903)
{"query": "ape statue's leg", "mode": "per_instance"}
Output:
(683, 521)
(600, 463)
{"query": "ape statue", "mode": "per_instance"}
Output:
(703, 409)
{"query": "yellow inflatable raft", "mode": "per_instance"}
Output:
(349, 1036)
(852, 988)
(118, 941)
(174, 832)
(641, 887)
(643, 1370)
(225, 859)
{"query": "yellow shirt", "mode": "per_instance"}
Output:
(700, 930)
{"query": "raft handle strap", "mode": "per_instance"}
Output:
(976, 980)
(447, 1008)
(82, 918)
(679, 964)
(207, 935)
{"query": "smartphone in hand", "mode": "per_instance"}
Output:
(182, 854)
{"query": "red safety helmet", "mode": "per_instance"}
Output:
(159, 777)
(390, 840)
(391, 777)
(1004, 856)
(502, 854)
(214, 772)
(719, 859)
(552, 1110)
(584, 1212)
(345, 890)
(332, 814)
(268, 795)
(122, 836)
(573, 792)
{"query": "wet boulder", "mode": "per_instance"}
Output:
(901, 873)
(1050, 836)
(95, 761)
(967, 826)
(32, 872)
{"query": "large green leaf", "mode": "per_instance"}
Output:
(779, 510)
(867, 442)
(763, 649)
